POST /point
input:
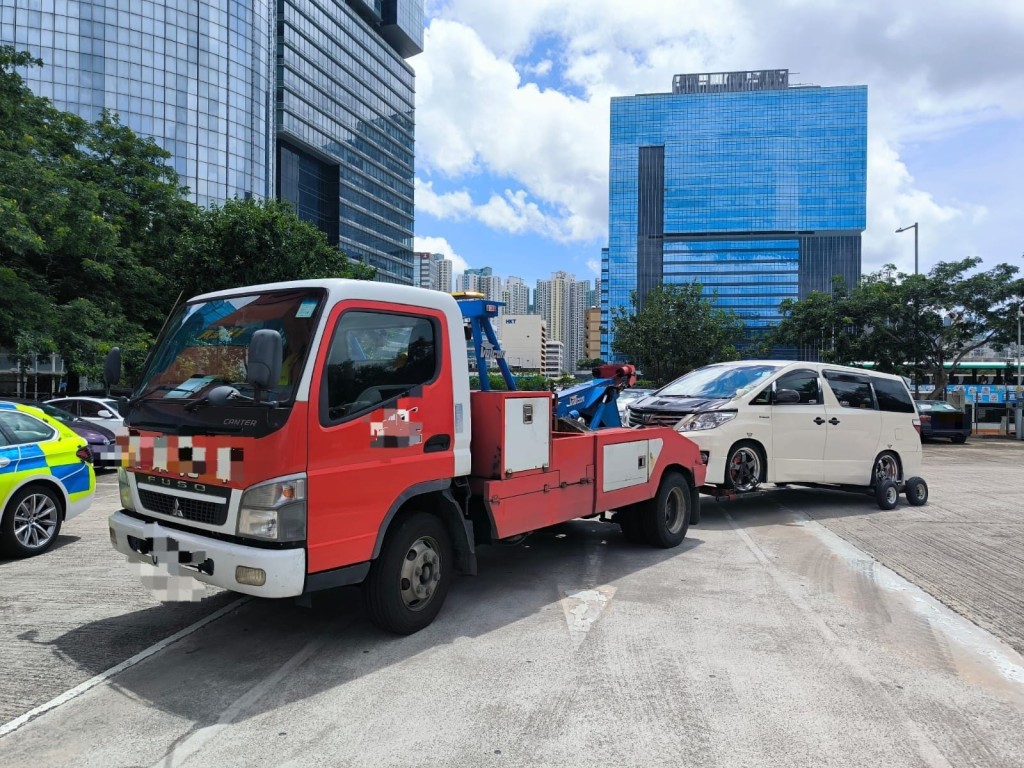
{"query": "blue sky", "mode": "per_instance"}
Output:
(513, 103)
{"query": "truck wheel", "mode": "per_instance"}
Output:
(887, 494)
(916, 490)
(958, 439)
(631, 525)
(666, 517)
(408, 582)
(31, 522)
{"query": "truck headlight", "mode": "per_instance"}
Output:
(125, 489)
(275, 511)
(697, 422)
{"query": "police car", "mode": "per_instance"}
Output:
(46, 478)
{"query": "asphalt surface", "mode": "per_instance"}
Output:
(766, 639)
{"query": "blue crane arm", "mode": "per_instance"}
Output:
(595, 401)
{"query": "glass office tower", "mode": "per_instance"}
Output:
(310, 101)
(345, 123)
(739, 181)
(193, 75)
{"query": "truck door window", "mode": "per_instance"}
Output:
(374, 357)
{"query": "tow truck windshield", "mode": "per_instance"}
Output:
(205, 345)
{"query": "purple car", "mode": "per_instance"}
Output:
(99, 438)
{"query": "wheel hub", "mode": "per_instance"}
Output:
(35, 520)
(745, 470)
(421, 572)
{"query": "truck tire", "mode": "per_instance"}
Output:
(666, 517)
(31, 521)
(408, 582)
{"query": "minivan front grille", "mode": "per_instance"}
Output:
(637, 418)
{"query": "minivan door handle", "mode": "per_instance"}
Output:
(819, 420)
(437, 443)
(833, 421)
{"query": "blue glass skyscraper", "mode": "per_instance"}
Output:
(310, 101)
(739, 181)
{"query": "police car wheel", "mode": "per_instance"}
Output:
(31, 522)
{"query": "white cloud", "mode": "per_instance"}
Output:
(440, 245)
(594, 266)
(933, 69)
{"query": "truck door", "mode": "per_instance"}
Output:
(854, 427)
(381, 422)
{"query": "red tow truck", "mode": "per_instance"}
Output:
(295, 437)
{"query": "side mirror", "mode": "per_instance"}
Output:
(783, 396)
(105, 414)
(112, 368)
(266, 353)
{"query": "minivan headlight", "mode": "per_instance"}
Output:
(697, 422)
(275, 511)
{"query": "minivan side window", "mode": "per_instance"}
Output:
(851, 390)
(376, 356)
(892, 395)
(805, 383)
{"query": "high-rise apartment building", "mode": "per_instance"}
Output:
(554, 360)
(753, 187)
(444, 275)
(311, 102)
(561, 301)
(592, 337)
(516, 296)
(482, 280)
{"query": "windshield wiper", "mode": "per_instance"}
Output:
(226, 395)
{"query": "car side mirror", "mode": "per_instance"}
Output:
(105, 414)
(784, 396)
(266, 353)
(112, 368)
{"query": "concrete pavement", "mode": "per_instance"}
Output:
(765, 640)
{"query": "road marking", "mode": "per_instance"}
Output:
(583, 608)
(92, 682)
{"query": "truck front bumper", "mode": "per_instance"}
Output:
(209, 560)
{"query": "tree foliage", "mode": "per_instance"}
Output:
(908, 324)
(678, 329)
(98, 238)
(246, 242)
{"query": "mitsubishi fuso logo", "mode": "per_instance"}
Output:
(176, 509)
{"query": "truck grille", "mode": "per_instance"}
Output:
(207, 512)
(652, 418)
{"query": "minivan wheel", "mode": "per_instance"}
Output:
(744, 469)
(887, 467)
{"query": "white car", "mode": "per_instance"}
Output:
(766, 421)
(98, 410)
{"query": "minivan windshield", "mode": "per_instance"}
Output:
(206, 344)
(721, 381)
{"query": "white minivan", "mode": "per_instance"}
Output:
(767, 421)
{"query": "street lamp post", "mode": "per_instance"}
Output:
(917, 348)
(913, 227)
(1019, 423)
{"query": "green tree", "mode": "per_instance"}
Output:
(247, 242)
(588, 363)
(678, 329)
(908, 324)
